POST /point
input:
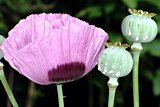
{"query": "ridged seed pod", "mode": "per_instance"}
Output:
(139, 27)
(115, 61)
(1, 41)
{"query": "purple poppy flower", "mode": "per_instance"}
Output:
(53, 48)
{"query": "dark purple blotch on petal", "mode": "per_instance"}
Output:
(66, 72)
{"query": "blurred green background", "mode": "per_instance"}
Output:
(91, 90)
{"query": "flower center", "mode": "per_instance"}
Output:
(66, 72)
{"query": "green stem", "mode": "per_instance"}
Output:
(112, 90)
(112, 84)
(6, 87)
(60, 95)
(136, 50)
(10, 82)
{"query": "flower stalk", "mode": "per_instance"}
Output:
(10, 82)
(6, 86)
(139, 27)
(136, 50)
(115, 62)
(112, 91)
(60, 95)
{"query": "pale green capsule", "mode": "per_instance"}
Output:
(139, 27)
(1, 41)
(115, 62)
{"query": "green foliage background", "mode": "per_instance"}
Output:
(91, 90)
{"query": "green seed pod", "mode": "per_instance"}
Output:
(1, 41)
(139, 27)
(115, 61)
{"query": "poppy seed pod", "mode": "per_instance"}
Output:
(115, 61)
(1, 41)
(139, 27)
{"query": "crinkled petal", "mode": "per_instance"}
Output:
(51, 48)
(31, 62)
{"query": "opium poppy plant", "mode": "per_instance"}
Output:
(53, 48)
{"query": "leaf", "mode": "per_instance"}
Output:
(158, 24)
(115, 37)
(156, 84)
(97, 84)
(153, 2)
(109, 8)
(157, 19)
(82, 13)
(90, 12)
(154, 48)
(131, 3)
(94, 12)
(37, 93)
(3, 27)
(149, 75)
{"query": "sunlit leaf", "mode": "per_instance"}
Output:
(131, 3)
